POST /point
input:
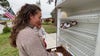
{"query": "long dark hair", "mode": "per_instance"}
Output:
(22, 20)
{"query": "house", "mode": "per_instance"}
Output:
(2, 10)
(49, 20)
(82, 39)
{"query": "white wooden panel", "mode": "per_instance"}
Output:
(92, 18)
(80, 46)
(81, 37)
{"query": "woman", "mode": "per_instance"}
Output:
(25, 32)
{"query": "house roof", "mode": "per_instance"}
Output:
(2, 10)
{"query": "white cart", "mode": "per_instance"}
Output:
(82, 39)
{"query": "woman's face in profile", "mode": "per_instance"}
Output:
(36, 19)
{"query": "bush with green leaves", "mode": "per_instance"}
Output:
(6, 29)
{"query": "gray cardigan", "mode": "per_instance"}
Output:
(29, 43)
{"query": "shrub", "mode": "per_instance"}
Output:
(6, 29)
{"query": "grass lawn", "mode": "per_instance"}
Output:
(50, 28)
(7, 50)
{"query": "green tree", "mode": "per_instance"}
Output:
(4, 3)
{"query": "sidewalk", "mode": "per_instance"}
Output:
(1, 28)
(51, 40)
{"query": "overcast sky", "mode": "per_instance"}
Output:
(46, 8)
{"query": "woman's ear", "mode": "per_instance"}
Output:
(31, 16)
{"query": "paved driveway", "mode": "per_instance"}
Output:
(51, 40)
(1, 28)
